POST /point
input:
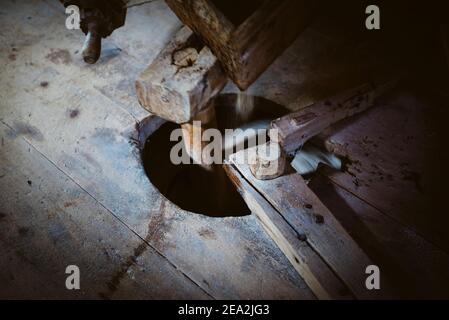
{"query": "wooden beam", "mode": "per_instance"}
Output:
(305, 213)
(269, 161)
(182, 80)
(192, 135)
(316, 273)
(294, 129)
(247, 50)
(264, 36)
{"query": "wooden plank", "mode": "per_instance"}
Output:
(246, 51)
(270, 162)
(265, 35)
(318, 276)
(48, 222)
(414, 266)
(205, 20)
(124, 55)
(293, 130)
(302, 209)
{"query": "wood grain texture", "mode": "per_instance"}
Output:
(79, 118)
(394, 161)
(319, 277)
(247, 50)
(82, 118)
(265, 35)
(48, 222)
(293, 130)
(177, 93)
(207, 22)
(302, 209)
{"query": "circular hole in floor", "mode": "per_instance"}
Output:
(189, 186)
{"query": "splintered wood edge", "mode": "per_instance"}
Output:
(316, 273)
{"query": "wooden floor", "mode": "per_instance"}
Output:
(73, 189)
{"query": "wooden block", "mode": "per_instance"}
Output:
(395, 161)
(305, 213)
(247, 50)
(316, 273)
(181, 80)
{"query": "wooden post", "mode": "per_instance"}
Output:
(294, 129)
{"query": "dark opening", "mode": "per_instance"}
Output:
(191, 187)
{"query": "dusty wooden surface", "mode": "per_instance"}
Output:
(48, 222)
(69, 129)
(80, 120)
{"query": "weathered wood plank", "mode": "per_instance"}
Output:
(302, 209)
(394, 161)
(124, 55)
(265, 35)
(98, 155)
(414, 266)
(318, 276)
(48, 222)
(295, 129)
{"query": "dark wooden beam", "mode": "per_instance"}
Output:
(247, 50)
